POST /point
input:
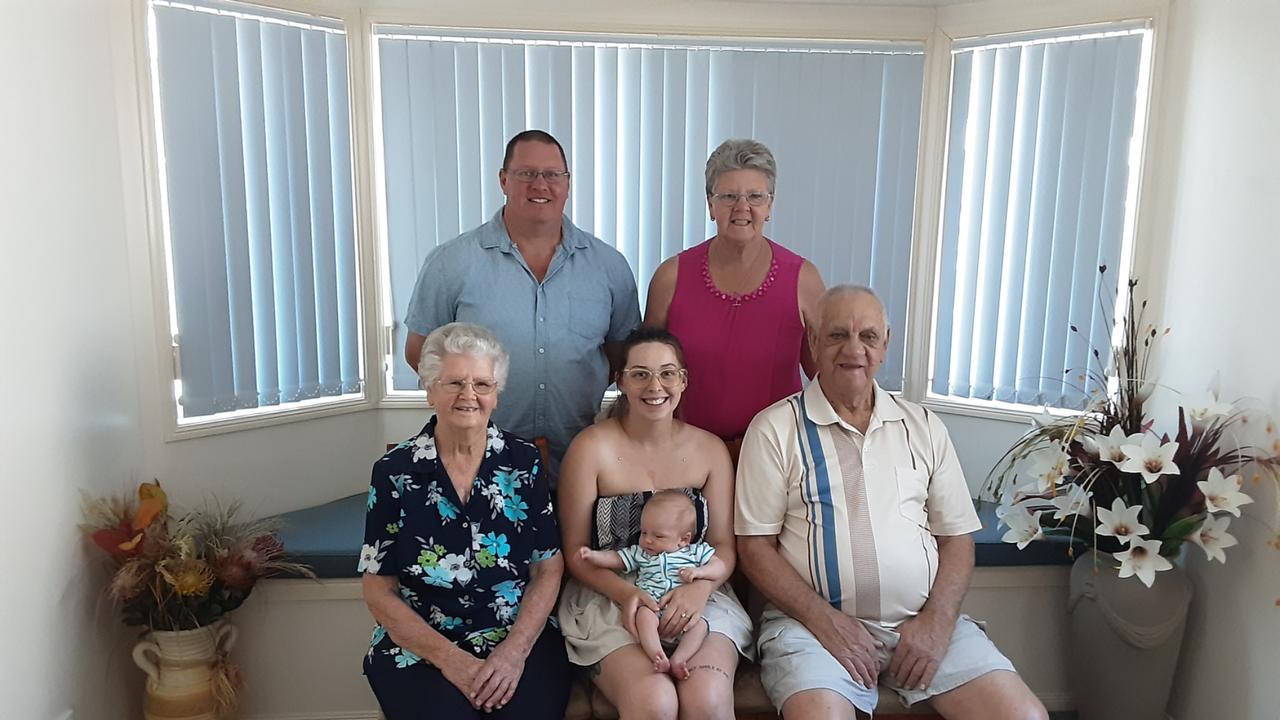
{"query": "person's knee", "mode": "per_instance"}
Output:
(1031, 709)
(708, 693)
(651, 698)
(818, 703)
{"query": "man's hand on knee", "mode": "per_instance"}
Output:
(852, 646)
(922, 644)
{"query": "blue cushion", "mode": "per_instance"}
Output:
(328, 538)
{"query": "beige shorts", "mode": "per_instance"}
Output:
(792, 660)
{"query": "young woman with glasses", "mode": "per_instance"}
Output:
(609, 471)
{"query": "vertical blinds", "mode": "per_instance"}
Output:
(1037, 178)
(254, 122)
(638, 120)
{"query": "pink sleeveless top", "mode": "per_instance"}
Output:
(743, 351)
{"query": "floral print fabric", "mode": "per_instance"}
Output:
(463, 568)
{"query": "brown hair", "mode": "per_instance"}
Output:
(642, 336)
(541, 136)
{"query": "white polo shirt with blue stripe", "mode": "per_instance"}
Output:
(856, 515)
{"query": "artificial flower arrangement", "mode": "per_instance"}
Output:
(186, 572)
(1110, 479)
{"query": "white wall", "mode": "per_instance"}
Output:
(1221, 215)
(68, 365)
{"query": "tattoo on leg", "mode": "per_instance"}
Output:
(593, 670)
(715, 668)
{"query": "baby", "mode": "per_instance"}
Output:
(664, 559)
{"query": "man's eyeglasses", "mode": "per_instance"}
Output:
(552, 177)
(479, 387)
(667, 377)
(754, 199)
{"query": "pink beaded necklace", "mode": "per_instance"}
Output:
(737, 300)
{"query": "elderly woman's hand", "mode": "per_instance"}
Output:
(461, 670)
(683, 606)
(500, 675)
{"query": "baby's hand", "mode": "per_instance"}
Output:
(584, 553)
(687, 575)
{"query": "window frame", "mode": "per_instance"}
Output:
(937, 28)
(167, 351)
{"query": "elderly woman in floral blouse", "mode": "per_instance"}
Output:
(461, 558)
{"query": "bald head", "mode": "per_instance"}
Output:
(837, 292)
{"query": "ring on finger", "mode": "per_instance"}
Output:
(684, 615)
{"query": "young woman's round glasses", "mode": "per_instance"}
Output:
(667, 377)
(479, 387)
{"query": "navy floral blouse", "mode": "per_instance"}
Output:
(462, 568)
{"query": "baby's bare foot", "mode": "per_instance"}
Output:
(660, 663)
(679, 669)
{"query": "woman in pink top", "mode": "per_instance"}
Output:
(739, 302)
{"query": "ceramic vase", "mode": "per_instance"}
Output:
(1124, 638)
(181, 668)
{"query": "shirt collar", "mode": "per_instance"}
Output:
(494, 235)
(818, 408)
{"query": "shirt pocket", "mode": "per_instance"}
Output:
(913, 492)
(590, 309)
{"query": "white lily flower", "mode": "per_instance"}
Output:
(1012, 501)
(1144, 390)
(1150, 459)
(1213, 537)
(1110, 447)
(1074, 501)
(1222, 494)
(1142, 559)
(1121, 522)
(1206, 409)
(1046, 469)
(1024, 527)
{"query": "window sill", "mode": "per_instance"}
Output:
(992, 409)
(268, 417)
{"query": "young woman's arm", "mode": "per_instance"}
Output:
(577, 495)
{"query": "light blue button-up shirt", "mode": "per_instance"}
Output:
(554, 330)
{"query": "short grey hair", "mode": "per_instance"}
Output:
(740, 154)
(838, 291)
(458, 338)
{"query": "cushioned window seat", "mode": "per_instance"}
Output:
(328, 538)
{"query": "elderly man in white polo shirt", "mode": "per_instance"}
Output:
(853, 519)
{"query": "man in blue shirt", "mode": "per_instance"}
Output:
(552, 293)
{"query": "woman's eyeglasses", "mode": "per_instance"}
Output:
(479, 387)
(754, 199)
(667, 377)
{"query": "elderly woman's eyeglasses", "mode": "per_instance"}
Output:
(754, 199)
(668, 377)
(479, 387)
(552, 177)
